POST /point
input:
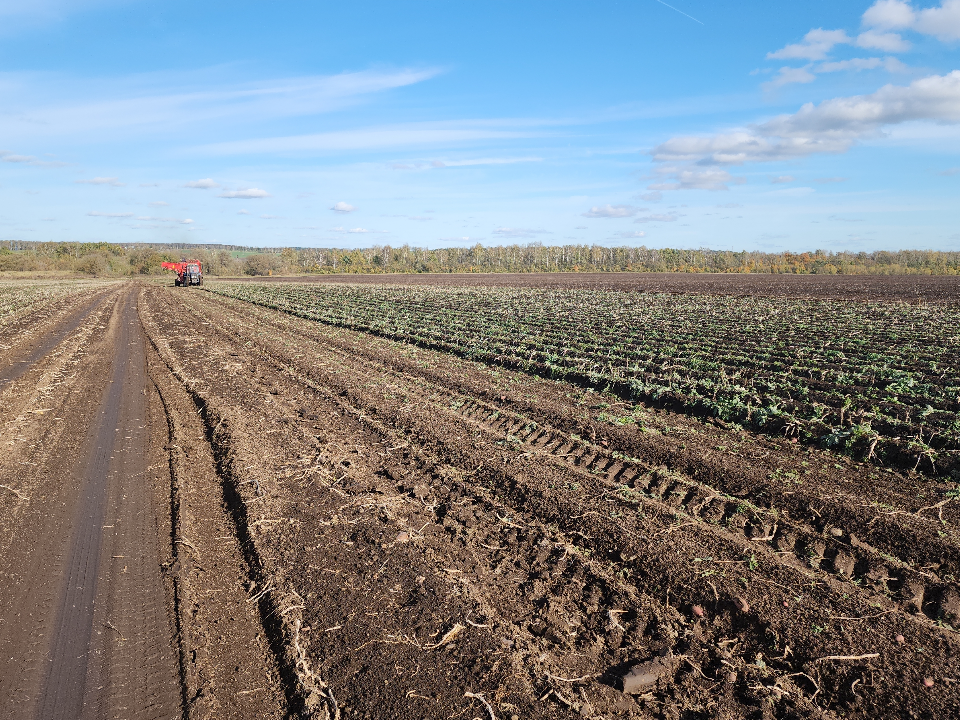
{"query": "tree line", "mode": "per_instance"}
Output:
(111, 259)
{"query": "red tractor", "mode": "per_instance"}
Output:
(189, 272)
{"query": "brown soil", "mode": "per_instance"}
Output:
(909, 288)
(95, 606)
(317, 522)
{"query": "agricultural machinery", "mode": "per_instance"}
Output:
(189, 272)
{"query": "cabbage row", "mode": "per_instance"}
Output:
(880, 381)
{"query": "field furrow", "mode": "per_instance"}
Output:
(494, 522)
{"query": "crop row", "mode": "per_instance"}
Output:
(880, 380)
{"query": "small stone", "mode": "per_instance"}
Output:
(901, 639)
(836, 532)
(928, 682)
(698, 611)
(514, 717)
(403, 537)
(742, 604)
(640, 677)
(731, 677)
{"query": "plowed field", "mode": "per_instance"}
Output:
(302, 511)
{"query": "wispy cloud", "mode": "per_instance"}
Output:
(630, 235)
(203, 184)
(829, 180)
(11, 157)
(97, 213)
(694, 179)
(789, 76)
(115, 182)
(159, 203)
(655, 218)
(379, 137)
(158, 103)
(248, 194)
(149, 218)
(509, 232)
(611, 211)
(436, 164)
(815, 45)
(780, 179)
(342, 207)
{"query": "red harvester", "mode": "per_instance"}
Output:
(189, 272)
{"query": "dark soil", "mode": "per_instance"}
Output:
(908, 288)
(429, 528)
(305, 521)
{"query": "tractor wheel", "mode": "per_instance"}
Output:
(177, 282)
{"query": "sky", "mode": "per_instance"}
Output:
(752, 125)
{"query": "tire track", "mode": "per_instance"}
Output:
(565, 483)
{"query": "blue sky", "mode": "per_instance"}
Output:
(750, 125)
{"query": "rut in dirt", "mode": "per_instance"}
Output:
(87, 631)
(452, 528)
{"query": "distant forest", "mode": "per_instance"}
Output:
(109, 259)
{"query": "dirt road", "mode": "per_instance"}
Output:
(214, 510)
(90, 623)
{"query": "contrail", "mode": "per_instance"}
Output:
(679, 11)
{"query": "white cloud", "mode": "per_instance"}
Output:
(805, 74)
(204, 184)
(654, 197)
(942, 22)
(269, 217)
(889, 15)
(96, 213)
(856, 64)
(656, 218)
(611, 211)
(789, 76)
(830, 127)
(519, 232)
(342, 207)
(815, 45)
(115, 182)
(363, 230)
(949, 172)
(159, 203)
(887, 42)
(686, 179)
(186, 221)
(630, 235)
(779, 180)
(243, 212)
(10, 157)
(248, 194)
